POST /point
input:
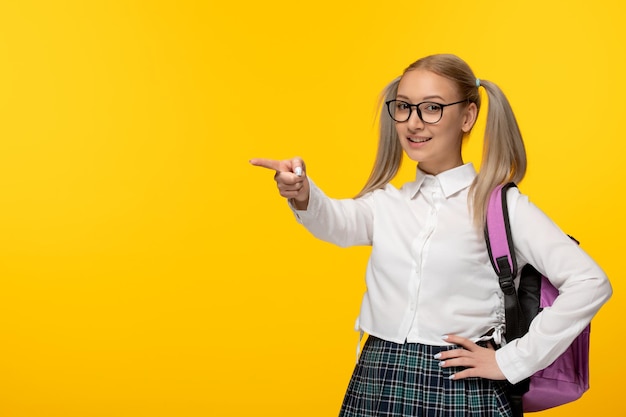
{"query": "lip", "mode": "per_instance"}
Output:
(418, 139)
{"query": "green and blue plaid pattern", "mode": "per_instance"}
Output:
(393, 380)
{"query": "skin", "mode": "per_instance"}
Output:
(436, 148)
(289, 184)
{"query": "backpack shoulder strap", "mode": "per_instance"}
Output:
(502, 255)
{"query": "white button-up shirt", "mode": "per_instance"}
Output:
(429, 272)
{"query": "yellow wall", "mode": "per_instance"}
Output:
(146, 269)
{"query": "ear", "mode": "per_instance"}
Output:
(469, 118)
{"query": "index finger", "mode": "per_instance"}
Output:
(266, 163)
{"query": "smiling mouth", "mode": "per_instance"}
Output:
(420, 140)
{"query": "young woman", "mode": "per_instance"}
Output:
(433, 309)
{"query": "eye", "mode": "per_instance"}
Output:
(402, 106)
(430, 107)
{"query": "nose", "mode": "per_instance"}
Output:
(415, 122)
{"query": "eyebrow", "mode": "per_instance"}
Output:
(425, 98)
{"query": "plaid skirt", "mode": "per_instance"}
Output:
(393, 380)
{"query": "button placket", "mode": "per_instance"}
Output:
(420, 246)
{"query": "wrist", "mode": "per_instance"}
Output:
(299, 204)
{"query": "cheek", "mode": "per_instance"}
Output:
(454, 129)
(398, 128)
(448, 139)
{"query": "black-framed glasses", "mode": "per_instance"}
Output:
(428, 111)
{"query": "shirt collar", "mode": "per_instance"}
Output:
(450, 181)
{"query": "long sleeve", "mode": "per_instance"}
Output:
(345, 222)
(583, 289)
(429, 272)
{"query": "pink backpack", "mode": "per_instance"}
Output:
(567, 378)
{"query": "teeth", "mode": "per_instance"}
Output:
(419, 140)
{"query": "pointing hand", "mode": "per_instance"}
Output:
(290, 179)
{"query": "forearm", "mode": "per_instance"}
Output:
(345, 222)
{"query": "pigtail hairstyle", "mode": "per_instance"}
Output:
(504, 156)
(389, 154)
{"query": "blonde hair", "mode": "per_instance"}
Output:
(504, 155)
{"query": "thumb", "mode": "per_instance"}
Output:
(297, 166)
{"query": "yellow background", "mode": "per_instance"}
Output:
(146, 269)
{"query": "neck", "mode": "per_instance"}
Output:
(436, 169)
